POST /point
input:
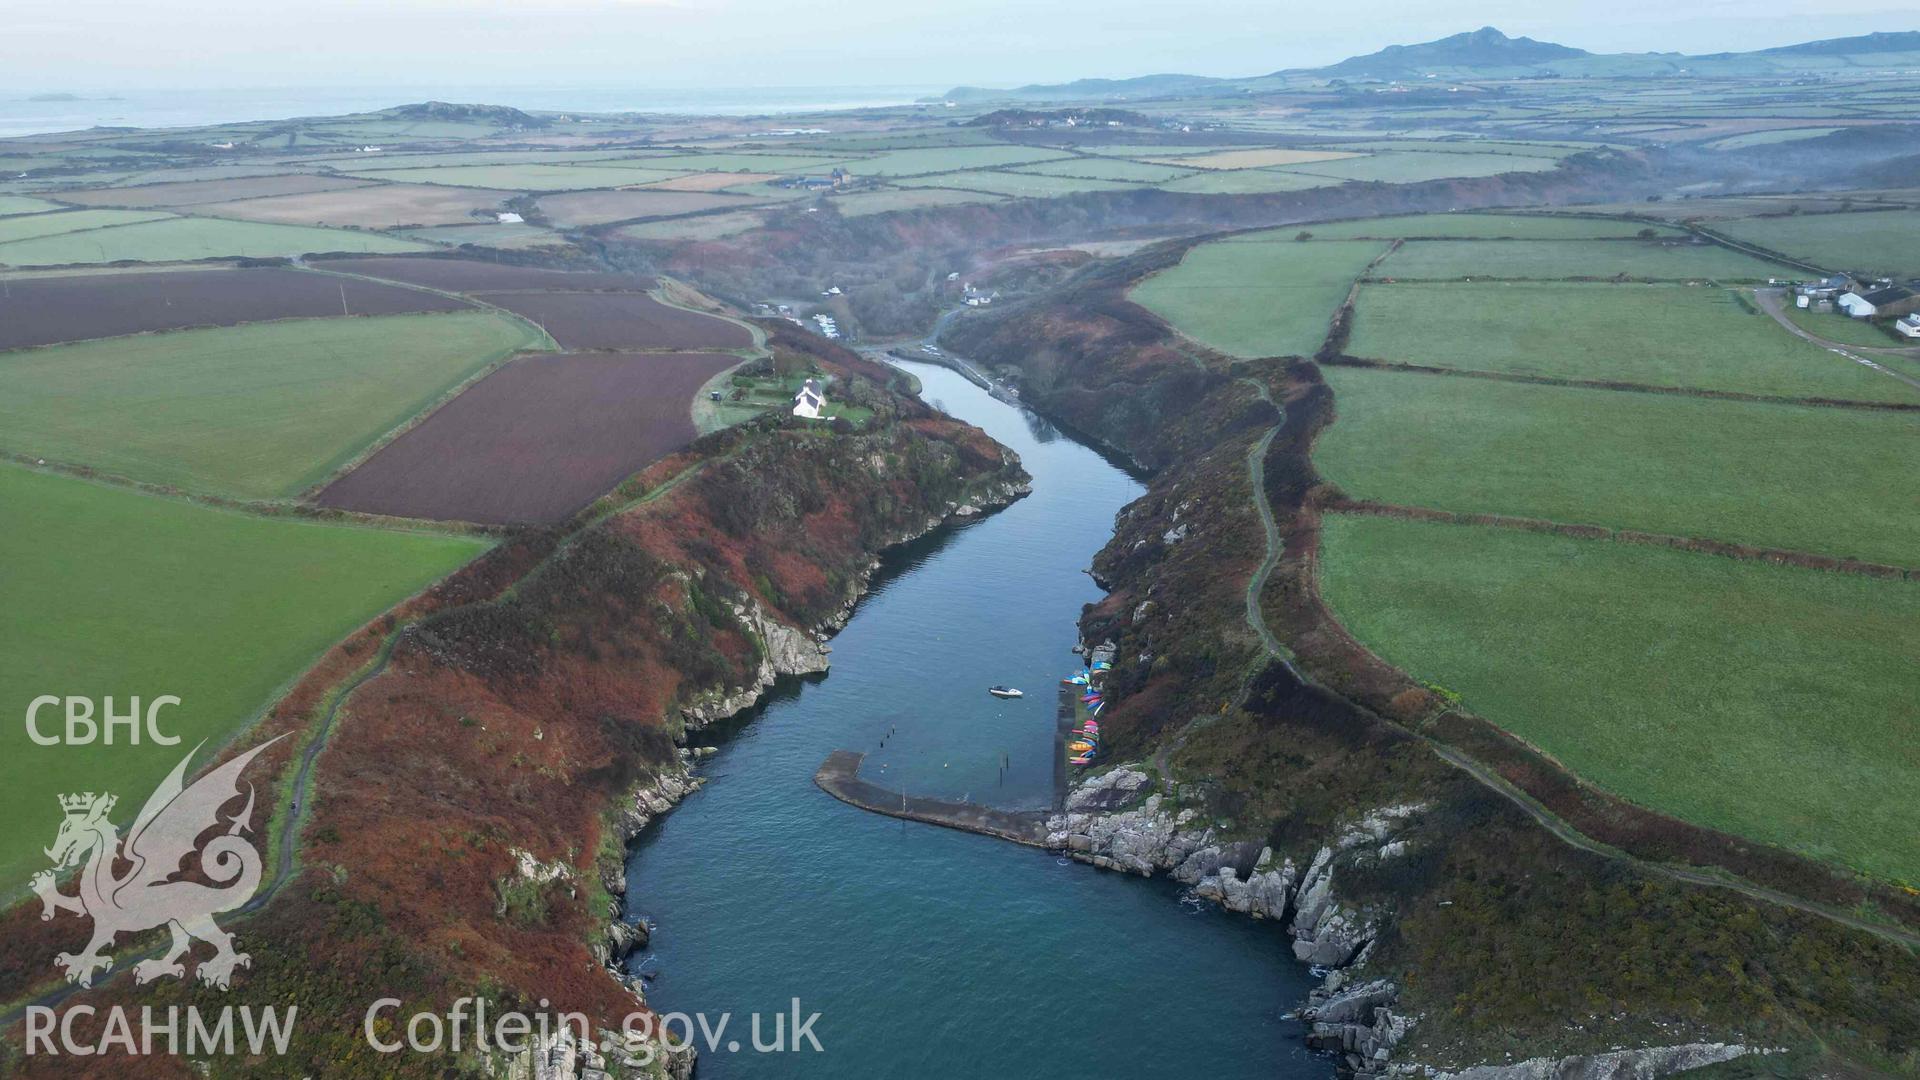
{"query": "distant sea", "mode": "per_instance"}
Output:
(196, 108)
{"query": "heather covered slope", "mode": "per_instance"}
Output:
(519, 706)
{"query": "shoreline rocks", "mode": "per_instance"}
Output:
(1354, 1021)
(1106, 823)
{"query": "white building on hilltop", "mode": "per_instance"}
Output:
(810, 400)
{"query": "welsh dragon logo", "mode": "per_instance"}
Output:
(151, 893)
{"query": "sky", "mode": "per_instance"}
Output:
(108, 45)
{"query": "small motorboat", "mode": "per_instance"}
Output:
(1005, 692)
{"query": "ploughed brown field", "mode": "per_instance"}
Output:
(536, 440)
(472, 275)
(200, 192)
(620, 321)
(374, 206)
(49, 310)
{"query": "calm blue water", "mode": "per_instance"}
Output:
(930, 952)
(19, 115)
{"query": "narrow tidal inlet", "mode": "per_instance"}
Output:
(929, 952)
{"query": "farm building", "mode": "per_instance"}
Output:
(1909, 325)
(810, 400)
(1826, 288)
(1891, 300)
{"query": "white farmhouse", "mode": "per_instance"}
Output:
(810, 400)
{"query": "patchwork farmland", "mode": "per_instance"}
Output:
(257, 411)
(1829, 481)
(1551, 505)
(1651, 335)
(179, 239)
(1654, 259)
(1258, 297)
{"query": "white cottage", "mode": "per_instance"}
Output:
(810, 400)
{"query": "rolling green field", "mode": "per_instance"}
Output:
(525, 177)
(1831, 481)
(1107, 169)
(1484, 226)
(948, 159)
(503, 236)
(704, 227)
(111, 592)
(1472, 146)
(182, 239)
(1522, 259)
(258, 411)
(68, 221)
(20, 204)
(376, 162)
(1879, 241)
(1768, 138)
(1258, 299)
(1014, 185)
(748, 163)
(1247, 182)
(1772, 702)
(1654, 335)
(1417, 165)
(1144, 150)
(863, 203)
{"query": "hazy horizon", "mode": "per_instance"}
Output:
(54, 46)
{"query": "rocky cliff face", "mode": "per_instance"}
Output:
(1124, 820)
(1119, 821)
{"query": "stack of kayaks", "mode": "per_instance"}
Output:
(1084, 742)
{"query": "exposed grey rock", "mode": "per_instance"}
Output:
(622, 939)
(1108, 791)
(1264, 893)
(1349, 1017)
(1352, 1003)
(784, 650)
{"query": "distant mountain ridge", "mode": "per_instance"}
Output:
(1489, 54)
(1864, 44)
(1482, 48)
